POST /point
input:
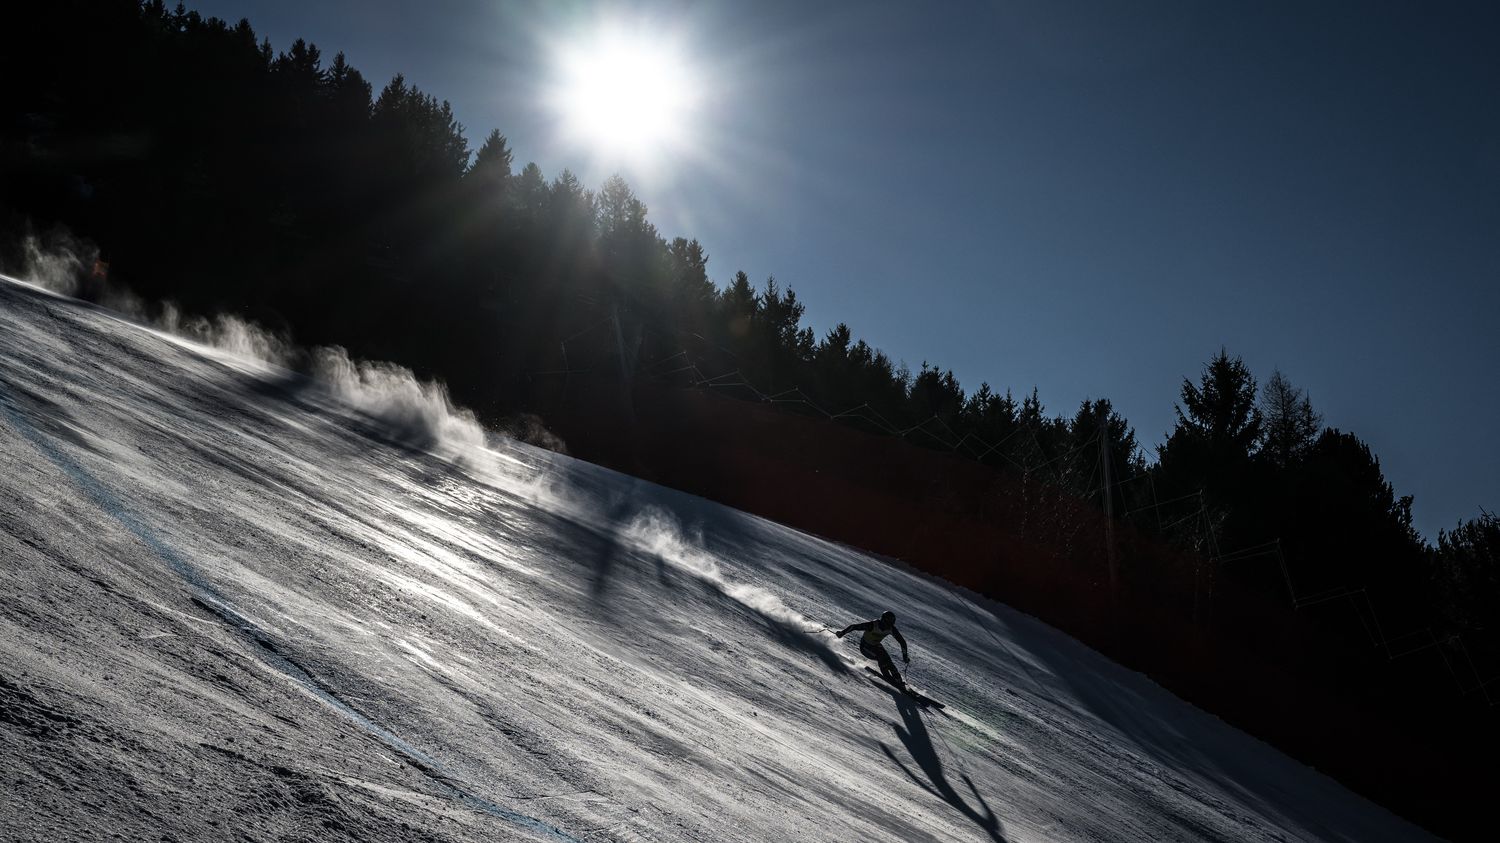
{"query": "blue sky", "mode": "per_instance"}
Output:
(1091, 199)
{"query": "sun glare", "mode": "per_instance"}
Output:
(625, 96)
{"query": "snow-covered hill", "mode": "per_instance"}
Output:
(235, 606)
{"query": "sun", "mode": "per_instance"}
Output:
(625, 95)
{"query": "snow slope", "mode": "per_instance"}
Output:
(234, 606)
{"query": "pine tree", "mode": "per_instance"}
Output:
(1219, 411)
(1291, 425)
(530, 192)
(1467, 571)
(492, 163)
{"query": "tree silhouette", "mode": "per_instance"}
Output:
(1096, 420)
(1219, 412)
(1467, 572)
(935, 394)
(1291, 425)
(492, 162)
(1218, 425)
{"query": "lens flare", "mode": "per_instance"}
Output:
(625, 95)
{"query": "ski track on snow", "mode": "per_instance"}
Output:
(209, 598)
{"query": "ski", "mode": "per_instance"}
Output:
(908, 690)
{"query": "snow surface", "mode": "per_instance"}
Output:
(233, 605)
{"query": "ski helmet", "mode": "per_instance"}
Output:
(888, 619)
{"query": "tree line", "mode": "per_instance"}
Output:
(214, 170)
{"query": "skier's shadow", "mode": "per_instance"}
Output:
(918, 743)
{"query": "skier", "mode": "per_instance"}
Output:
(871, 648)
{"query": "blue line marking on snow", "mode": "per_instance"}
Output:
(209, 598)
